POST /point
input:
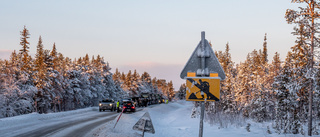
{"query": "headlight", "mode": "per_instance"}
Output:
(100, 104)
(110, 104)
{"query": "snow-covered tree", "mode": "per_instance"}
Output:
(51, 82)
(265, 50)
(308, 17)
(24, 52)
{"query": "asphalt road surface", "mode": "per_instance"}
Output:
(75, 125)
(71, 128)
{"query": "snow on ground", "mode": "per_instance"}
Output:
(169, 120)
(173, 120)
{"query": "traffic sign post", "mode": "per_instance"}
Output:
(203, 73)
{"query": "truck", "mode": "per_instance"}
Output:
(107, 104)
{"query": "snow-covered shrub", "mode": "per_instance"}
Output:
(268, 130)
(248, 127)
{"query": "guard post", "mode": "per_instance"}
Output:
(203, 73)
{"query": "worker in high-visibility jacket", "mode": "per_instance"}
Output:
(118, 104)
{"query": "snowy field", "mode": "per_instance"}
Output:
(173, 120)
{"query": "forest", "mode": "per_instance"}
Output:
(285, 93)
(50, 82)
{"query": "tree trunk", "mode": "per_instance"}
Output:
(311, 5)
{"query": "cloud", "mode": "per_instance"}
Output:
(5, 54)
(158, 70)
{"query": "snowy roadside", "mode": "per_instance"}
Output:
(169, 120)
(173, 120)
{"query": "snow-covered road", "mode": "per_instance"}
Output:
(71, 123)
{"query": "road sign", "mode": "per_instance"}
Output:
(144, 124)
(211, 63)
(203, 73)
(204, 89)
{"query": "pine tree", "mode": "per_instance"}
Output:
(40, 79)
(227, 104)
(274, 71)
(308, 17)
(14, 65)
(227, 63)
(286, 87)
(171, 93)
(99, 62)
(48, 60)
(116, 76)
(135, 83)
(300, 56)
(40, 66)
(261, 102)
(123, 77)
(275, 66)
(146, 83)
(290, 97)
(182, 92)
(86, 60)
(25, 57)
(265, 52)
(55, 78)
(55, 59)
(301, 50)
(243, 92)
(128, 84)
(146, 77)
(283, 101)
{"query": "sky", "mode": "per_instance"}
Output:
(156, 36)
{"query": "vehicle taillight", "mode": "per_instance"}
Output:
(124, 107)
(132, 107)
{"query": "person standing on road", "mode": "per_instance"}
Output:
(118, 104)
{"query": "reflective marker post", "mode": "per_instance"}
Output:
(118, 118)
